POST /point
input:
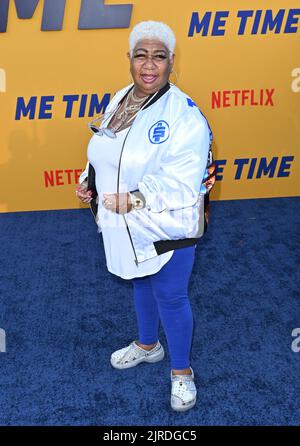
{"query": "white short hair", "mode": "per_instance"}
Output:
(152, 30)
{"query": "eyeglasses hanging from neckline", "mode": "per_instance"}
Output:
(100, 131)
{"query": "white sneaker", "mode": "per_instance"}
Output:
(184, 393)
(133, 355)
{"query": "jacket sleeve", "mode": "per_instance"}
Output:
(177, 183)
(84, 174)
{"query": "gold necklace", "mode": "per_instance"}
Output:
(126, 116)
(129, 108)
(136, 98)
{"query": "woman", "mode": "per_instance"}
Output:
(147, 165)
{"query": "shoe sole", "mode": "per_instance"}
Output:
(148, 359)
(184, 408)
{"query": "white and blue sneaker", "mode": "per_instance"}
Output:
(183, 393)
(133, 355)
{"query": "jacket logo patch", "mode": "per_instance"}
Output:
(159, 132)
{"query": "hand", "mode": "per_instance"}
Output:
(83, 194)
(119, 203)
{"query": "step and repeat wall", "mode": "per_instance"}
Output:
(62, 60)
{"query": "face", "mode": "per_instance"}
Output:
(150, 66)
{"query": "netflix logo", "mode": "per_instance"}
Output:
(61, 177)
(242, 98)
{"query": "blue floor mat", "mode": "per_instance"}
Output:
(64, 313)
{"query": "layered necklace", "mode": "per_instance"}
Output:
(128, 112)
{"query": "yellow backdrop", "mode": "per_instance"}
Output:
(241, 69)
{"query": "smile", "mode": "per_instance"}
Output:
(148, 78)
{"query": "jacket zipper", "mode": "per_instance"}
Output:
(130, 238)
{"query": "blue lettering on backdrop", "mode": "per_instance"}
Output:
(95, 106)
(45, 106)
(219, 169)
(70, 99)
(284, 165)
(94, 14)
(251, 21)
(196, 25)
(23, 110)
(216, 31)
(265, 168)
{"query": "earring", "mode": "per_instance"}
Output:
(173, 71)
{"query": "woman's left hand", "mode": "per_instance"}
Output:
(119, 203)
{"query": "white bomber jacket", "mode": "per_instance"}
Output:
(167, 156)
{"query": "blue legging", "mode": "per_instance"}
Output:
(164, 296)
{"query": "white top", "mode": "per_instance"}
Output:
(104, 155)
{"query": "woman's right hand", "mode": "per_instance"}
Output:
(84, 195)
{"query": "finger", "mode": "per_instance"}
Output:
(111, 197)
(83, 197)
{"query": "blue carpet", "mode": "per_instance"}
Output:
(64, 314)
